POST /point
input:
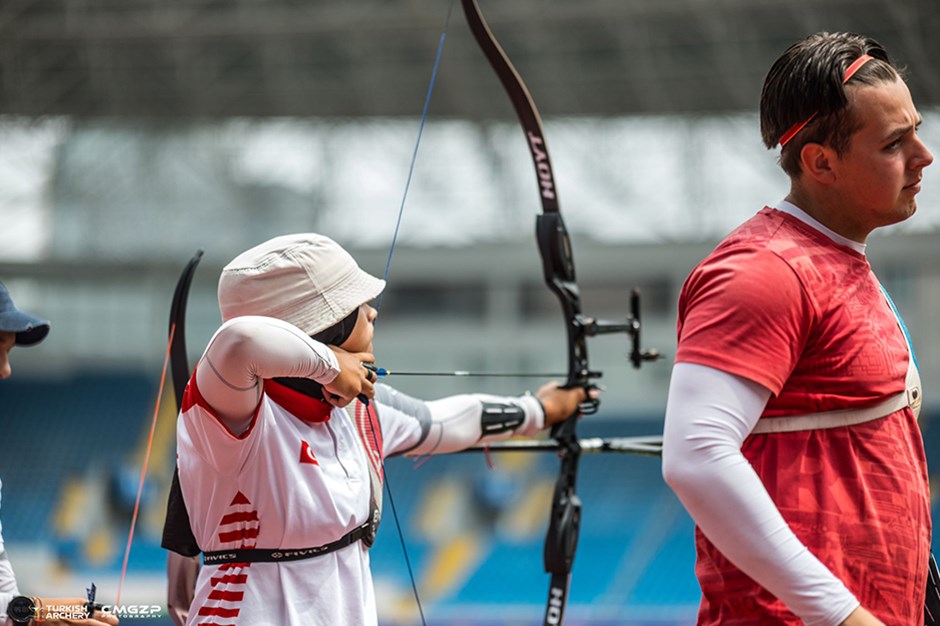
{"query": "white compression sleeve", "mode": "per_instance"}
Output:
(247, 350)
(709, 413)
(457, 422)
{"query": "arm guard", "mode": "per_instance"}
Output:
(457, 422)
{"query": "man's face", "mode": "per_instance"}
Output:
(880, 173)
(7, 341)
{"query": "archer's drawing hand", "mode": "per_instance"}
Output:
(353, 380)
(560, 403)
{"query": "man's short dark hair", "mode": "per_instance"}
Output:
(806, 82)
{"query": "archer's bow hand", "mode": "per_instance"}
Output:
(561, 403)
(353, 380)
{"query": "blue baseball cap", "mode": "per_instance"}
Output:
(29, 329)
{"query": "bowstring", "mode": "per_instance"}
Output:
(143, 469)
(388, 265)
(414, 154)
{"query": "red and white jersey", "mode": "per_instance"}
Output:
(298, 477)
(783, 305)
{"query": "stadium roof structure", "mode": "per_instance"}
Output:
(330, 58)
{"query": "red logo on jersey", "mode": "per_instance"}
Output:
(306, 453)
(240, 498)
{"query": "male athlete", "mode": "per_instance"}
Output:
(791, 429)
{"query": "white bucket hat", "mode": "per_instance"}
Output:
(305, 279)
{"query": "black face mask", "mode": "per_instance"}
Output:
(338, 333)
(335, 335)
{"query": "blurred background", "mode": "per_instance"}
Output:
(135, 132)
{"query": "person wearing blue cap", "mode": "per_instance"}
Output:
(19, 328)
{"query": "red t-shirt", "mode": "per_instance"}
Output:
(783, 305)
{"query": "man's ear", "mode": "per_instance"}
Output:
(816, 161)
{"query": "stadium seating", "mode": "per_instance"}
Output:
(474, 536)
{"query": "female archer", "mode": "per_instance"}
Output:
(283, 431)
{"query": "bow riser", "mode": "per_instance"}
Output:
(558, 270)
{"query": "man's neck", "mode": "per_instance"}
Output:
(789, 207)
(828, 214)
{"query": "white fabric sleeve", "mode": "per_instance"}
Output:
(245, 351)
(457, 422)
(8, 589)
(709, 413)
(417, 427)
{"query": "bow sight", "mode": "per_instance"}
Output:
(558, 269)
